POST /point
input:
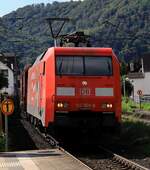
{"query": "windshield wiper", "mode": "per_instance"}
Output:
(109, 67)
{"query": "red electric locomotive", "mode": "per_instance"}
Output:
(75, 87)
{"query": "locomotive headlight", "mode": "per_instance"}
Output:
(109, 105)
(60, 105)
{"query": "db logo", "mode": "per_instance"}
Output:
(84, 83)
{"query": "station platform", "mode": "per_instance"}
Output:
(50, 159)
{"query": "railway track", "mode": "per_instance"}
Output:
(107, 161)
(123, 163)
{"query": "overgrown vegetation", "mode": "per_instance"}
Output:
(122, 25)
(128, 105)
(145, 106)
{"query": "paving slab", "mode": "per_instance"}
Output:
(50, 159)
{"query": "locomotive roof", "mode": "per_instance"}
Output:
(81, 51)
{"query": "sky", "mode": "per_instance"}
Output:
(7, 6)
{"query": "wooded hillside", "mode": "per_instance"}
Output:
(123, 25)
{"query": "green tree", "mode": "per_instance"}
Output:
(123, 69)
(128, 87)
(121, 25)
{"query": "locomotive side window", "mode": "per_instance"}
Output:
(84, 65)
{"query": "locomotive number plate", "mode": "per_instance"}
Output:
(85, 92)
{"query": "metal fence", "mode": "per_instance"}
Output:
(145, 98)
(142, 99)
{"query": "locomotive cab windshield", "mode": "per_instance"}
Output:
(84, 65)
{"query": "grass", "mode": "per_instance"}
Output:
(129, 105)
(145, 106)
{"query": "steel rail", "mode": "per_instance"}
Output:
(124, 161)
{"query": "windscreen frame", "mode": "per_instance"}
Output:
(58, 73)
